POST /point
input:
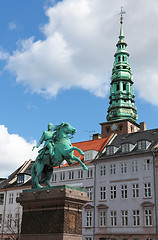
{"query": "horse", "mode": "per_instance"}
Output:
(63, 150)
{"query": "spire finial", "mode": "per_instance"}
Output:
(121, 13)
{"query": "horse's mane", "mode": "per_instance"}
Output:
(63, 124)
(57, 128)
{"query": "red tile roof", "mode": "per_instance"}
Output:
(97, 145)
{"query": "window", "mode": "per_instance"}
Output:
(107, 129)
(9, 220)
(123, 168)
(135, 190)
(88, 238)
(54, 177)
(102, 193)
(124, 191)
(62, 176)
(143, 144)
(89, 192)
(11, 195)
(113, 168)
(134, 166)
(127, 147)
(124, 218)
(147, 190)
(119, 58)
(89, 218)
(113, 192)
(18, 194)
(103, 170)
(120, 127)
(90, 173)
(89, 155)
(136, 218)
(148, 217)
(118, 87)
(80, 174)
(1, 198)
(147, 164)
(0, 220)
(113, 219)
(102, 218)
(110, 150)
(20, 178)
(71, 175)
(17, 220)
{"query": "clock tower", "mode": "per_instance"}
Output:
(122, 113)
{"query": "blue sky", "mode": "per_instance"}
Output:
(55, 65)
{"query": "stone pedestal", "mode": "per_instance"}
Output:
(52, 213)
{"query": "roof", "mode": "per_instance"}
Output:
(11, 181)
(97, 145)
(133, 138)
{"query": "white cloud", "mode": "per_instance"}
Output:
(14, 151)
(79, 44)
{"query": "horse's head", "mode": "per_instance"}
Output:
(67, 128)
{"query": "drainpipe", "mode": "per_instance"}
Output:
(4, 214)
(155, 195)
(94, 201)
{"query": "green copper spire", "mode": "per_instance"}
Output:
(122, 91)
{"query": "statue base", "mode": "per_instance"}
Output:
(52, 213)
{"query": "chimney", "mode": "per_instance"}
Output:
(142, 126)
(96, 136)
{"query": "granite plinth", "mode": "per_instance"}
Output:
(52, 213)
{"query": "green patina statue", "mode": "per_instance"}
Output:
(47, 136)
(57, 148)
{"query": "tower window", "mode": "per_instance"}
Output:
(123, 58)
(118, 87)
(120, 127)
(124, 87)
(119, 58)
(107, 129)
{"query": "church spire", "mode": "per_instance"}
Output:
(122, 91)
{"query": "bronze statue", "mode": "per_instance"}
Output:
(52, 156)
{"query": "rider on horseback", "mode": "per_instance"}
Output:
(47, 136)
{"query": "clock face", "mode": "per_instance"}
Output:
(113, 127)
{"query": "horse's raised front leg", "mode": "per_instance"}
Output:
(79, 160)
(68, 151)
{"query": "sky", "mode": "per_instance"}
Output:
(56, 60)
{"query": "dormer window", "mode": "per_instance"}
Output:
(23, 177)
(90, 155)
(127, 147)
(20, 178)
(110, 150)
(143, 144)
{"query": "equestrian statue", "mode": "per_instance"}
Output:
(56, 149)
